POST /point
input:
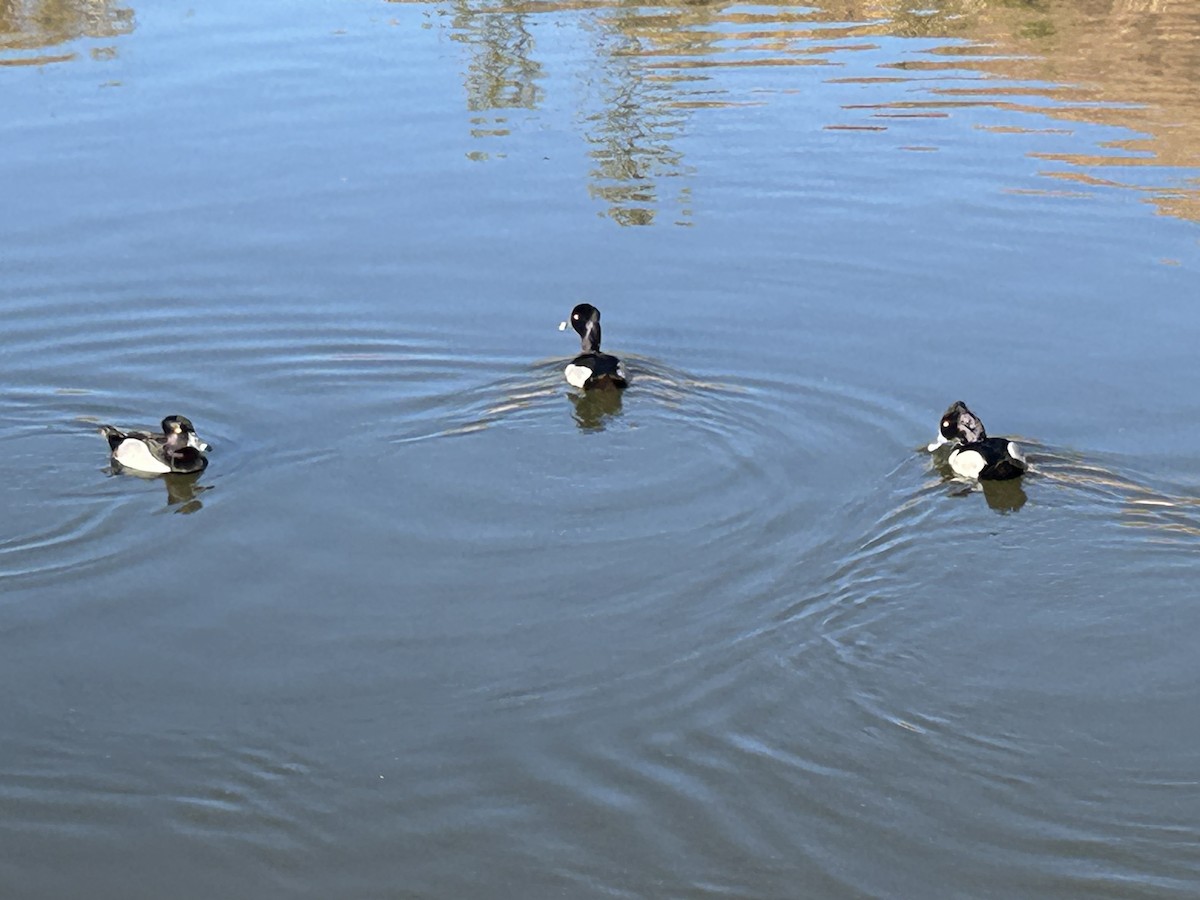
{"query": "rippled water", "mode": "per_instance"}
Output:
(433, 625)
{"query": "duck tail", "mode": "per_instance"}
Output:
(1018, 458)
(612, 382)
(1013, 467)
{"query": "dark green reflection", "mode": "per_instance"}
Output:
(592, 408)
(1001, 496)
(183, 492)
(1004, 496)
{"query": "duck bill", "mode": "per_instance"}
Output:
(942, 440)
(194, 441)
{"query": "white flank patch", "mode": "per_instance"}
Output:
(577, 376)
(134, 454)
(1015, 452)
(968, 463)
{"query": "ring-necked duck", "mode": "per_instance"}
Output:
(177, 449)
(591, 368)
(976, 455)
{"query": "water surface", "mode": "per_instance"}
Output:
(431, 625)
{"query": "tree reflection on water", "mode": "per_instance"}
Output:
(1124, 63)
(39, 24)
(631, 135)
(502, 74)
(644, 72)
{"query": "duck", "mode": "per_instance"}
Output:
(591, 368)
(974, 454)
(176, 449)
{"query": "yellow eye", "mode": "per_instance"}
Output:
(945, 423)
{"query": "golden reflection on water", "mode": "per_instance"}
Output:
(502, 73)
(1129, 64)
(30, 27)
(631, 137)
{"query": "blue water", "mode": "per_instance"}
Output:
(431, 624)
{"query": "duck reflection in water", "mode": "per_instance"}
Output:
(183, 493)
(1002, 496)
(593, 407)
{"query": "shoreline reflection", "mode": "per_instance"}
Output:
(655, 68)
(32, 25)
